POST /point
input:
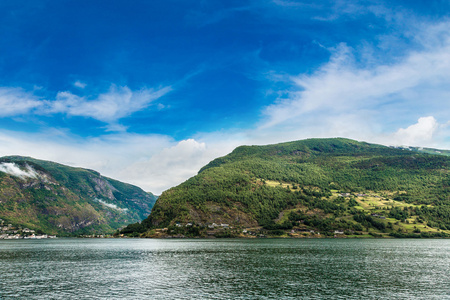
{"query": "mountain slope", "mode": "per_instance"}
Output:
(310, 185)
(58, 199)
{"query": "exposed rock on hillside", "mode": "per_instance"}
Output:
(58, 199)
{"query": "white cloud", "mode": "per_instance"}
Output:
(347, 97)
(15, 170)
(117, 103)
(418, 134)
(114, 127)
(15, 101)
(79, 84)
(109, 107)
(110, 205)
(153, 162)
(172, 165)
(340, 86)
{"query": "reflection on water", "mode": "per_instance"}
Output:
(225, 269)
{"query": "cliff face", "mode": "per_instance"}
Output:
(58, 199)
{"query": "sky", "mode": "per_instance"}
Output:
(148, 92)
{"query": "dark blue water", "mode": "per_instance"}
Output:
(225, 269)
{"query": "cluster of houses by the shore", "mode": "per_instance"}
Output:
(252, 232)
(210, 226)
(10, 232)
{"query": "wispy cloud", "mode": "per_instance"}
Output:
(153, 162)
(110, 205)
(204, 17)
(395, 94)
(16, 101)
(288, 3)
(171, 164)
(109, 107)
(79, 84)
(328, 11)
(117, 103)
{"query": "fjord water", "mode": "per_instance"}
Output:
(225, 269)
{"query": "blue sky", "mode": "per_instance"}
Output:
(149, 91)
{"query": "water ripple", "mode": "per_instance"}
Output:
(225, 269)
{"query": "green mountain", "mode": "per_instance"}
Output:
(332, 186)
(57, 199)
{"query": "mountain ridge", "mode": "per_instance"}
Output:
(294, 185)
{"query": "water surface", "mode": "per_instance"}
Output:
(225, 269)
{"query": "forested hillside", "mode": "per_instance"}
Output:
(331, 186)
(57, 199)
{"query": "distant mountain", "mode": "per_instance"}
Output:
(332, 186)
(57, 199)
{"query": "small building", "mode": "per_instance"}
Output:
(344, 194)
